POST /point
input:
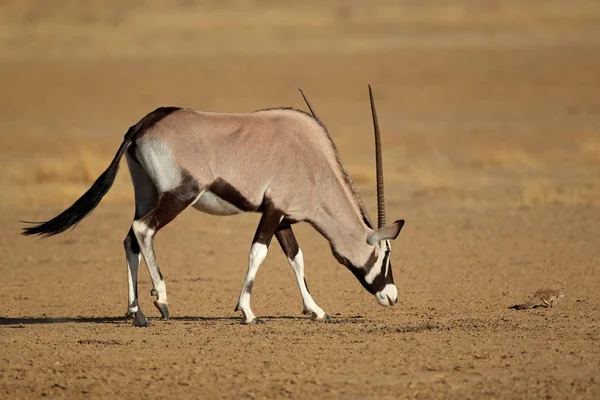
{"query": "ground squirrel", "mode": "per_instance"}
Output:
(543, 297)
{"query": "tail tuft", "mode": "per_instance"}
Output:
(78, 211)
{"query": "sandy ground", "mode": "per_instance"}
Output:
(490, 112)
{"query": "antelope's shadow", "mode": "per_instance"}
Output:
(22, 321)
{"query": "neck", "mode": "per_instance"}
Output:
(341, 221)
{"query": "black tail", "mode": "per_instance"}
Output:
(86, 203)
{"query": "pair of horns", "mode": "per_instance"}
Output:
(378, 156)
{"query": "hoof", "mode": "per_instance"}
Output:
(315, 317)
(164, 310)
(254, 321)
(129, 314)
(326, 318)
(139, 319)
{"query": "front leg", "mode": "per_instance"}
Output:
(286, 238)
(258, 252)
(260, 245)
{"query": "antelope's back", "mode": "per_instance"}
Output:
(282, 150)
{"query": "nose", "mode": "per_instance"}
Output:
(388, 296)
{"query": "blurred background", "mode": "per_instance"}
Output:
(481, 101)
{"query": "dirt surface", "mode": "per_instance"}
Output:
(490, 112)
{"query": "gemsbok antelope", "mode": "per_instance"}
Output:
(279, 162)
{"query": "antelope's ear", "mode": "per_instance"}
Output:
(390, 232)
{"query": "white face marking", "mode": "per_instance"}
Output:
(157, 159)
(378, 267)
(209, 203)
(388, 296)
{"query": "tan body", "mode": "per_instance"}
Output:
(276, 149)
(284, 154)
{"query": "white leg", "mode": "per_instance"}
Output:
(308, 304)
(132, 254)
(146, 197)
(145, 237)
(258, 252)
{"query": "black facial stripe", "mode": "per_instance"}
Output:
(360, 275)
(385, 261)
(390, 275)
(370, 263)
(382, 278)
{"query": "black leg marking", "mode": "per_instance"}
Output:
(268, 225)
(132, 243)
(264, 233)
(172, 203)
(286, 238)
(248, 287)
(287, 241)
(132, 251)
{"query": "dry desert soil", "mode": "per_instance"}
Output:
(490, 112)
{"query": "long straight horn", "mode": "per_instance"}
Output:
(379, 165)
(314, 114)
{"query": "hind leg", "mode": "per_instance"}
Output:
(146, 198)
(132, 256)
(170, 204)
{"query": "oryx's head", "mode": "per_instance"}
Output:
(376, 275)
(374, 270)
